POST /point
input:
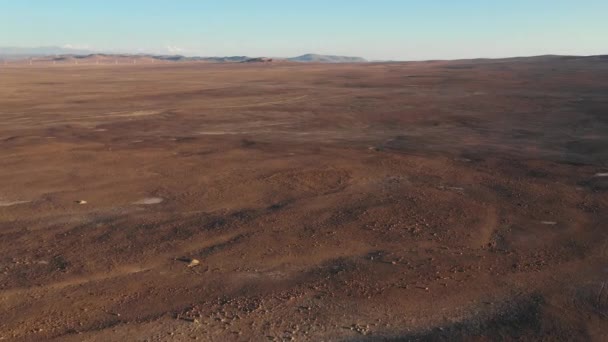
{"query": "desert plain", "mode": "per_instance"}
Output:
(421, 201)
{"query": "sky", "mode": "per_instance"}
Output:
(374, 29)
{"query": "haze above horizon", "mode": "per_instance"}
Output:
(385, 29)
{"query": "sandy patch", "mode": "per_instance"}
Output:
(12, 203)
(149, 201)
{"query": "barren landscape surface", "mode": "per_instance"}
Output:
(463, 200)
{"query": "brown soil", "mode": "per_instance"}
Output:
(411, 201)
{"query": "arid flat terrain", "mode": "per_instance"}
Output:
(431, 201)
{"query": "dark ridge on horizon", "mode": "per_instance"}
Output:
(61, 53)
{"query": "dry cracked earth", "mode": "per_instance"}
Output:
(427, 201)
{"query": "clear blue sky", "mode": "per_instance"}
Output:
(376, 29)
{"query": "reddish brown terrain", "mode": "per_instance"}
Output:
(430, 201)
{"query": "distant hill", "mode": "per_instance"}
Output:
(71, 53)
(63, 54)
(226, 59)
(260, 60)
(314, 58)
(229, 59)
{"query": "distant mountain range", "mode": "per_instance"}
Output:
(314, 58)
(55, 51)
(59, 54)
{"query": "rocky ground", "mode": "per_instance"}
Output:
(422, 201)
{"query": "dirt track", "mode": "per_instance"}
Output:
(411, 201)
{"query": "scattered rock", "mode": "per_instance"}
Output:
(601, 174)
(549, 223)
(190, 319)
(191, 262)
(81, 202)
(360, 329)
